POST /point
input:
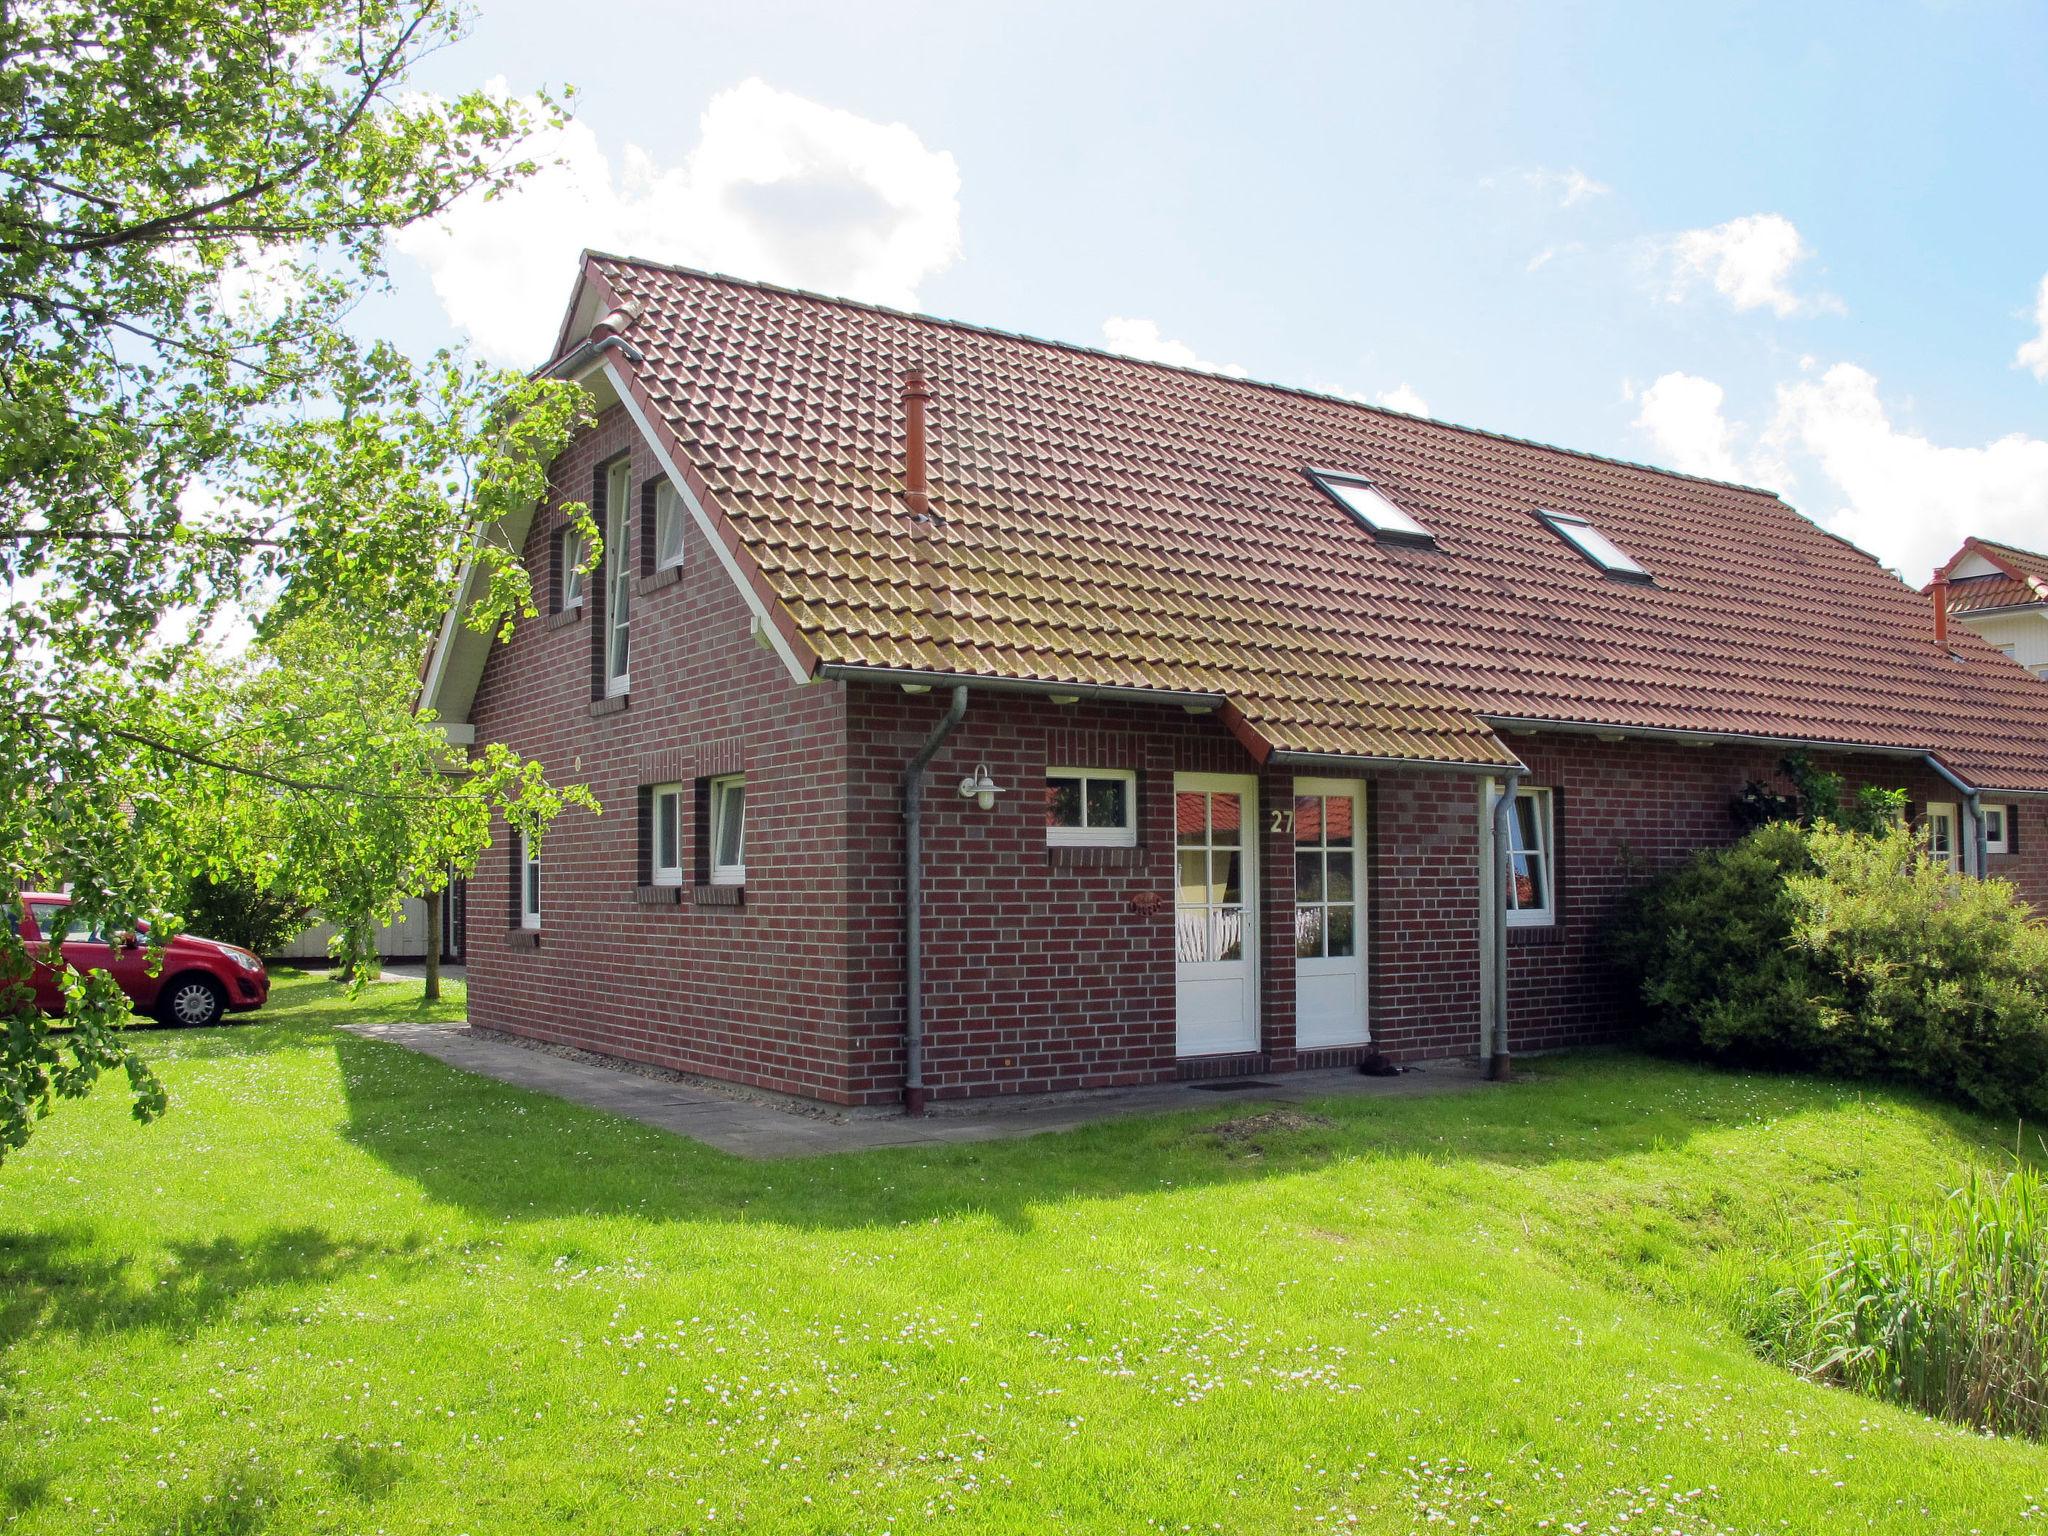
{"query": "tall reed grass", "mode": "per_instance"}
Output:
(1947, 1313)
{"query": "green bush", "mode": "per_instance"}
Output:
(238, 911)
(1947, 1315)
(1850, 952)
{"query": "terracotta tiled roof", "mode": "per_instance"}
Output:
(2020, 580)
(1120, 523)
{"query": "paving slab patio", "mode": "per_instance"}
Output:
(758, 1128)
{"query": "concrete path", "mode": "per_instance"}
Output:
(755, 1128)
(416, 970)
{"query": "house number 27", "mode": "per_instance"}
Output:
(1283, 821)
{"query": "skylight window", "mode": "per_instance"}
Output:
(1594, 545)
(1369, 504)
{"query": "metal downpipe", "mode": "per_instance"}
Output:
(1973, 807)
(1499, 1061)
(913, 903)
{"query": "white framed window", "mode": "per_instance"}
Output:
(668, 525)
(1531, 892)
(573, 555)
(729, 830)
(1091, 808)
(1997, 825)
(529, 882)
(618, 577)
(665, 837)
(1939, 830)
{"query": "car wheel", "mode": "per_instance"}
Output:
(191, 1002)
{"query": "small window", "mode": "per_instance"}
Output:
(529, 882)
(1939, 830)
(618, 577)
(1594, 545)
(729, 830)
(1091, 808)
(665, 837)
(1997, 821)
(1370, 505)
(668, 526)
(573, 556)
(1531, 899)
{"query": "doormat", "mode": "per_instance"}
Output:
(1232, 1085)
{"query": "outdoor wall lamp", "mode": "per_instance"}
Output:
(980, 788)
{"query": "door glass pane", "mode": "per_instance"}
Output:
(1308, 932)
(1230, 933)
(1194, 879)
(1337, 816)
(1340, 876)
(1192, 935)
(1308, 818)
(1223, 878)
(1308, 877)
(1191, 818)
(1106, 802)
(1226, 818)
(1343, 940)
(1063, 802)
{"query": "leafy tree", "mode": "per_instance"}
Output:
(194, 201)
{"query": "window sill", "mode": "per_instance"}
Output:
(522, 938)
(1092, 856)
(718, 895)
(562, 618)
(657, 895)
(610, 704)
(667, 576)
(1534, 935)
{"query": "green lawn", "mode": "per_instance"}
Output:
(342, 1288)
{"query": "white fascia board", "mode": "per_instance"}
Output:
(797, 671)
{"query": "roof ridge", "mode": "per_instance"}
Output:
(866, 306)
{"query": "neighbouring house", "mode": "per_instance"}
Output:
(404, 938)
(2000, 593)
(977, 715)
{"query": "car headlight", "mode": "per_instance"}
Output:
(245, 960)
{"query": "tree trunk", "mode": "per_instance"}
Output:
(433, 899)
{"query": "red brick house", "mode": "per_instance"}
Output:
(1225, 728)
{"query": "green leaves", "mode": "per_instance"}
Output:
(196, 439)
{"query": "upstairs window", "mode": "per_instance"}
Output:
(572, 557)
(618, 577)
(1091, 808)
(1371, 506)
(1594, 545)
(529, 882)
(668, 525)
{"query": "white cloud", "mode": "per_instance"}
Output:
(2033, 355)
(1403, 397)
(1682, 414)
(778, 187)
(1571, 187)
(1142, 338)
(1908, 500)
(1748, 261)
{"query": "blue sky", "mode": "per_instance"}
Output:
(1797, 245)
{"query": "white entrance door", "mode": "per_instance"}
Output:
(1329, 913)
(1215, 922)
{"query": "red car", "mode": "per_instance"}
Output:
(200, 982)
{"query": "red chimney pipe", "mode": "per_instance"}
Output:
(915, 393)
(1941, 608)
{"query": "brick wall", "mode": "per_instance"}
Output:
(753, 992)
